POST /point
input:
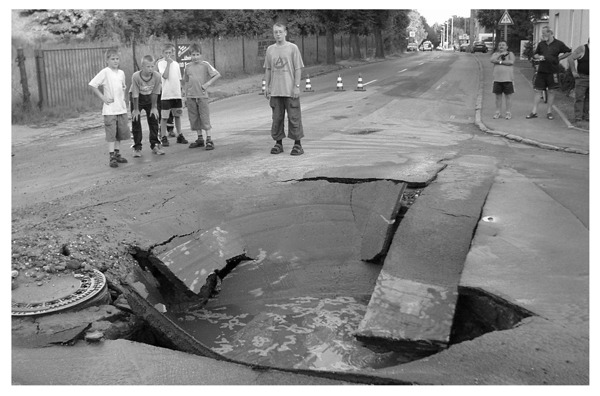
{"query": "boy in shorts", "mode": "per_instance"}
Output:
(197, 77)
(114, 108)
(170, 102)
(503, 61)
(144, 93)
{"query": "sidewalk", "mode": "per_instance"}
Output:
(557, 134)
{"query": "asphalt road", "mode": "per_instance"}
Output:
(416, 114)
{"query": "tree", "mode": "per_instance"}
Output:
(62, 23)
(331, 20)
(381, 20)
(355, 23)
(522, 29)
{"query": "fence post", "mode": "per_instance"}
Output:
(21, 63)
(214, 54)
(40, 68)
(243, 56)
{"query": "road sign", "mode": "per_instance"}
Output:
(506, 19)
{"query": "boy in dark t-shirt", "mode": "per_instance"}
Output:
(145, 92)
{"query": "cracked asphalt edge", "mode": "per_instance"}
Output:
(516, 138)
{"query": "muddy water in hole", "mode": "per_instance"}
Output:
(291, 310)
(298, 301)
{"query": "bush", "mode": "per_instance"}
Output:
(528, 50)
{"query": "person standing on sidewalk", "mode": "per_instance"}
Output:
(503, 61)
(582, 82)
(283, 72)
(549, 52)
(145, 94)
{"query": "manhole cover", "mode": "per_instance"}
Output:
(57, 294)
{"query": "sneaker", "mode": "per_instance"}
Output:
(508, 115)
(550, 116)
(496, 115)
(171, 133)
(137, 153)
(181, 139)
(157, 150)
(120, 159)
(164, 141)
(113, 162)
(209, 144)
(531, 115)
(198, 143)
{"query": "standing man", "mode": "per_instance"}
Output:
(283, 72)
(549, 52)
(582, 82)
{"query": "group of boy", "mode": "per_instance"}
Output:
(160, 95)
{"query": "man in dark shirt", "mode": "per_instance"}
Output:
(548, 52)
(582, 82)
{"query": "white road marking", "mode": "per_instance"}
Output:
(401, 71)
(369, 82)
(422, 63)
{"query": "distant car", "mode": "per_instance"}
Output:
(411, 47)
(489, 45)
(427, 46)
(464, 47)
(479, 46)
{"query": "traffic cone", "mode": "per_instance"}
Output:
(264, 87)
(359, 85)
(340, 84)
(308, 87)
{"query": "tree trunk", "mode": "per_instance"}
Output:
(379, 53)
(354, 46)
(330, 47)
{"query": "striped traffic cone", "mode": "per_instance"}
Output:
(340, 84)
(308, 87)
(264, 87)
(359, 85)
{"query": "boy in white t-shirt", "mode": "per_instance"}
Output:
(171, 100)
(114, 109)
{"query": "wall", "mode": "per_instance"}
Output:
(570, 26)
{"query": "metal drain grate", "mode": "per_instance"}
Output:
(90, 285)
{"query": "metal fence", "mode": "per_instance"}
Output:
(63, 74)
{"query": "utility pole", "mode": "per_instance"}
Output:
(452, 32)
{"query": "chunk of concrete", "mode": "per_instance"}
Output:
(379, 204)
(414, 299)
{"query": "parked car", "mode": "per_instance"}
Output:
(427, 46)
(411, 47)
(464, 47)
(479, 46)
(489, 45)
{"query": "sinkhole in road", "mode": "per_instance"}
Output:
(296, 284)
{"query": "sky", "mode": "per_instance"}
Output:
(440, 15)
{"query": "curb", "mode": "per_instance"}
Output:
(516, 138)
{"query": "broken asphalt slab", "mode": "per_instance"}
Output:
(294, 224)
(524, 255)
(413, 304)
